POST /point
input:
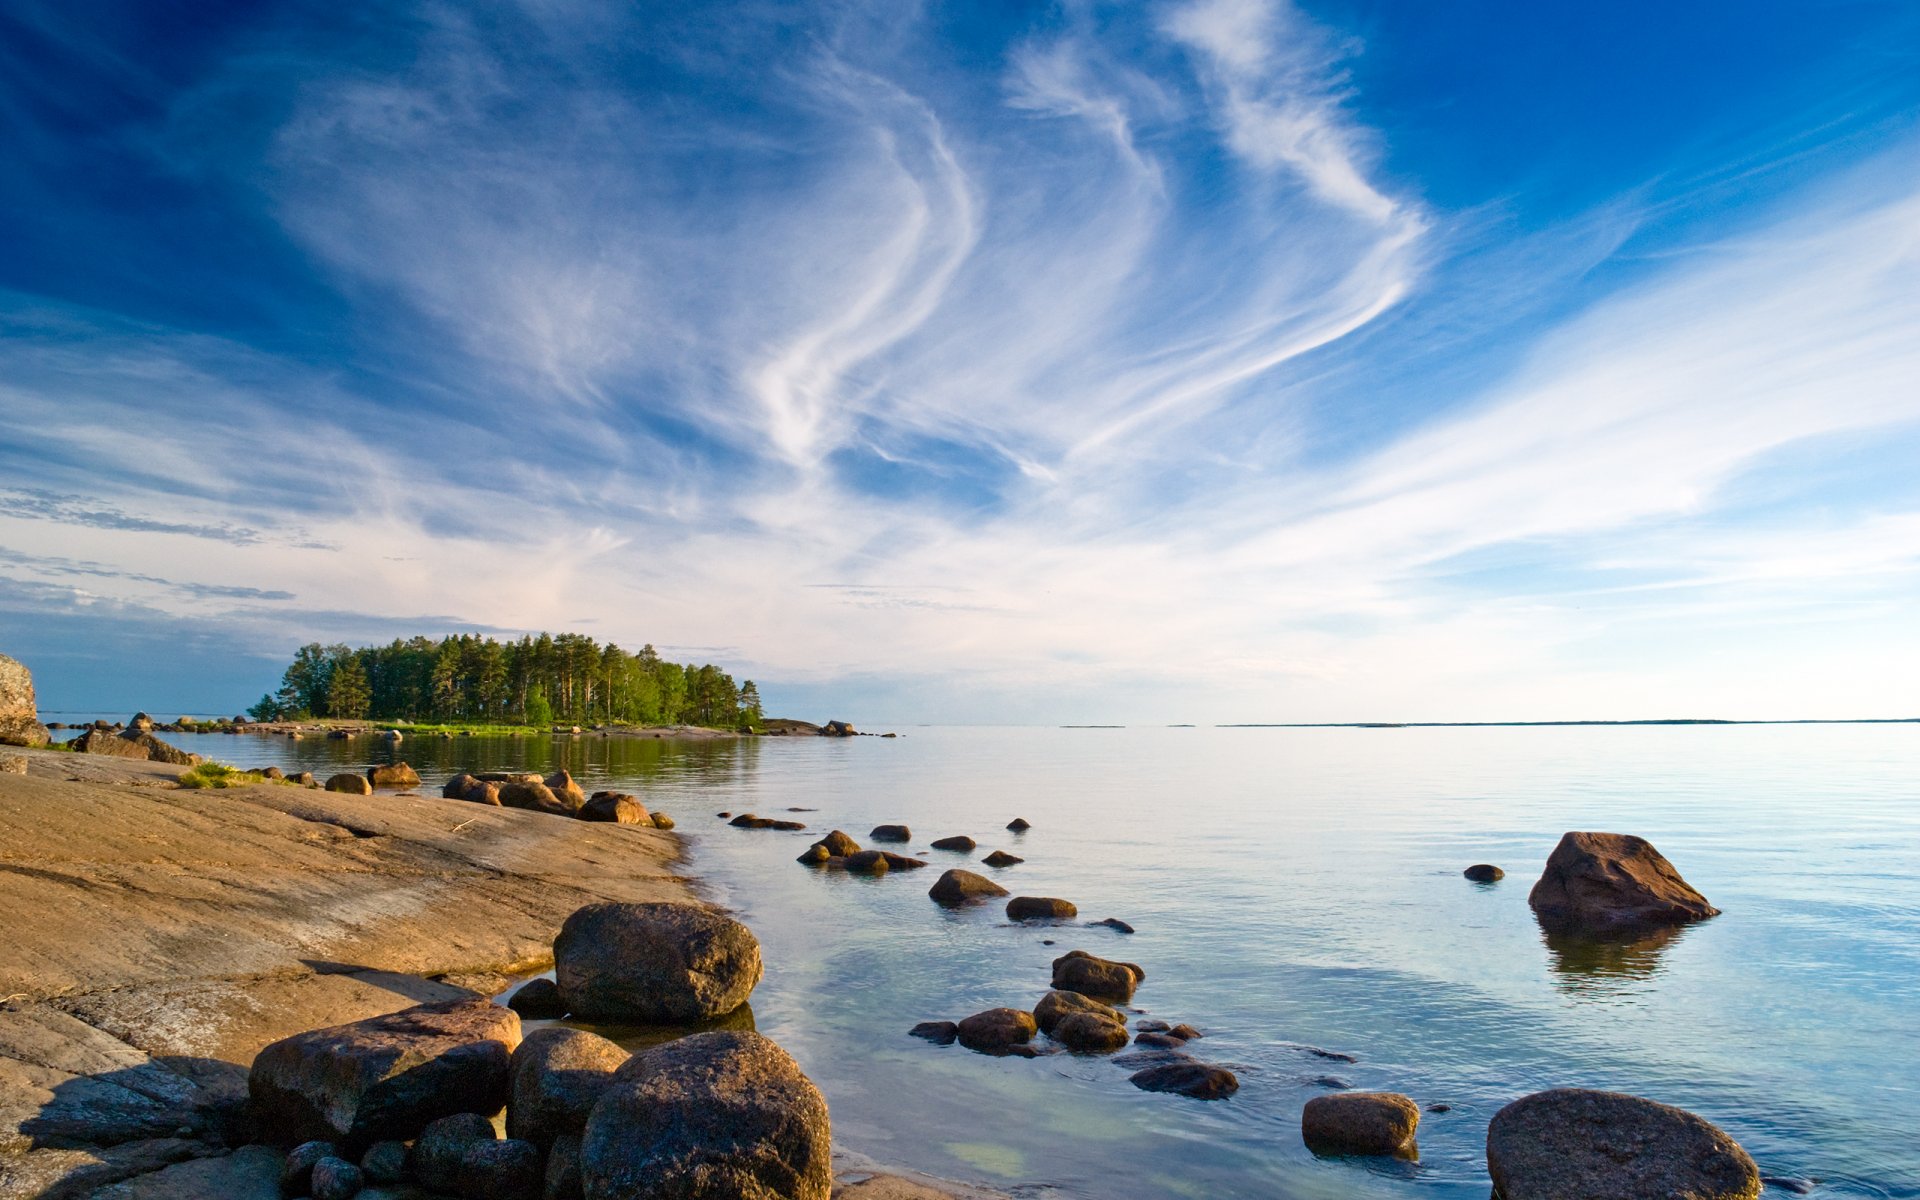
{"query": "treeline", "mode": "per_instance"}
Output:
(534, 681)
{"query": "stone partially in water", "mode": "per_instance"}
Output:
(996, 1030)
(1575, 1144)
(1187, 1078)
(962, 844)
(891, 833)
(392, 775)
(616, 808)
(956, 887)
(715, 1116)
(1019, 825)
(867, 862)
(1484, 873)
(663, 963)
(1090, 1033)
(351, 785)
(1000, 858)
(1613, 883)
(839, 845)
(1040, 908)
(1055, 1007)
(1078, 971)
(534, 796)
(1361, 1123)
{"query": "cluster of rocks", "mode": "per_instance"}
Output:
(558, 794)
(134, 740)
(410, 1097)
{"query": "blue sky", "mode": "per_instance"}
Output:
(1209, 360)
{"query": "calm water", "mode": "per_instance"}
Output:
(1301, 888)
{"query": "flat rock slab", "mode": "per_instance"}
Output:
(385, 1077)
(1574, 1144)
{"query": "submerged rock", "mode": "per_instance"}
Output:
(715, 1116)
(1574, 1144)
(660, 963)
(1039, 908)
(956, 887)
(940, 1033)
(1613, 882)
(1078, 971)
(385, 1077)
(1113, 923)
(900, 862)
(1187, 1078)
(1362, 1123)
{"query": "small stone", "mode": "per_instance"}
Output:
(1151, 1026)
(1187, 1078)
(1484, 873)
(940, 1033)
(1040, 908)
(662, 821)
(296, 1174)
(1185, 1033)
(1363, 1123)
(839, 845)
(1439, 1108)
(814, 855)
(434, 1161)
(1159, 1041)
(1019, 825)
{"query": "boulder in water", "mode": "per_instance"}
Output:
(1000, 858)
(961, 887)
(1090, 1033)
(350, 785)
(891, 833)
(1078, 971)
(996, 1030)
(1187, 1078)
(1019, 825)
(393, 775)
(961, 843)
(1055, 1007)
(1575, 1144)
(940, 1033)
(661, 963)
(1484, 873)
(1040, 908)
(615, 807)
(1613, 883)
(533, 795)
(1360, 1123)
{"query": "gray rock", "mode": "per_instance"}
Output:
(715, 1116)
(1613, 882)
(437, 1153)
(1362, 1123)
(654, 963)
(957, 887)
(538, 1000)
(336, 1179)
(563, 1170)
(1574, 1144)
(296, 1173)
(385, 1162)
(386, 1077)
(504, 1170)
(557, 1075)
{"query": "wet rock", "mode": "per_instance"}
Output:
(1484, 873)
(837, 729)
(1330, 1055)
(891, 833)
(1019, 825)
(1610, 883)
(839, 845)
(1574, 1144)
(352, 785)
(662, 821)
(1090, 1033)
(1364, 1123)
(714, 1116)
(1439, 1108)
(385, 1077)
(1332, 1082)
(563, 1170)
(1798, 1187)
(392, 775)
(336, 1179)
(19, 710)
(1040, 908)
(961, 843)
(296, 1173)
(437, 1154)
(867, 862)
(538, 1000)
(956, 887)
(556, 1077)
(1155, 1056)
(996, 1030)
(1113, 923)
(385, 1162)
(1000, 858)
(615, 807)
(1187, 1078)
(562, 785)
(1159, 1041)
(1078, 971)
(1185, 1033)
(900, 862)
(1151, 1026)
(533, 795)
(814, 856)
(1055, 1007)
(654, 963)
(940, 1033)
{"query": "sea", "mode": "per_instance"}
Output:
(1296, 894)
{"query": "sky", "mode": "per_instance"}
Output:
(1185, 361)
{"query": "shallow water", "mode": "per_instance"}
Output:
(1301, 888)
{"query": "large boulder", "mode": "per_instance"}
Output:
(1574, 1144)
(1364, 1123)
(1078, 971)
(19, 711)
(838, 845)
(557, 1076)
(715, 1116)
(562, 785)
(1613, 883)
(533, 795)
(392, 775)
(384, 1077)
(962, 887)
(660, 963)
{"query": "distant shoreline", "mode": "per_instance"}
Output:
(1542, 724)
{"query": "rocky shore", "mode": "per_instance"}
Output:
(174, 934)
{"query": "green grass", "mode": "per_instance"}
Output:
(220, 775)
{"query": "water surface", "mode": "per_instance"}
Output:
(1297, 889)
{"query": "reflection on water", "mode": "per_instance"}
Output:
(1588, 965)
(1302, 888)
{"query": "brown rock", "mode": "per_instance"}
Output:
(839, 845)
(940, 1033)
(715, 1116)
(1573, 1144)
(538, 1000)
(351, 785)
(19, 711)
(654, 963)
(1000, 858)
(1484, 873)
(1019, 825)
(1078, 971)
(561, 784)
(662, 821)
(1361, 1123)
(556, 1077)
(393, 775)
(1612, 882)
(1090, 1033)
(996, 1030)
(961, 843)
(535, 795)
(385, 1077)
(616, 807)
(891, 833)
(1187, 1078)
(814, 855)
(1039, 908)
(867, 862)
(1057, 1006)
(900, 862)
(961, 887)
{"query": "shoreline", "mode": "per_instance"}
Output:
(175, 932)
